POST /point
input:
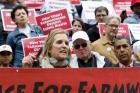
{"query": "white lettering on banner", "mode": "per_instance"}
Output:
(36, 49)
(45, 18)
(50, 27)
(55, 19)
(8, 14)
(53, 23)
(33, 42)
(41, 42)
(34, 46)
(57, 15)
(58, 25)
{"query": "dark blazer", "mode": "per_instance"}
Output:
(93, 33)
(135, 64)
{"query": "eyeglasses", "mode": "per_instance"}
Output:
(78, 46)
(4, 53)
(113, 26)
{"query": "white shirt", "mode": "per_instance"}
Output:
(26, 31)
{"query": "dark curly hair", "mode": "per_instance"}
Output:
(16, 8)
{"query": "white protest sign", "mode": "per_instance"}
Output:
(89, 8)
(54, 5)
(135, 30)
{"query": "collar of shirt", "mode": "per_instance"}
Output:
(123, 66)
(105, 41)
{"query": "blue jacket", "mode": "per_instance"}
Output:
(132, 19)
(14, 40)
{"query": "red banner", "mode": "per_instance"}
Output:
(9, 25)
(53, 20)
(86, 80)
(32, 45)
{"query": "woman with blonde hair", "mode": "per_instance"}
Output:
(56, 52)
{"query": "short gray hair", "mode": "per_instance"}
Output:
(112, 17)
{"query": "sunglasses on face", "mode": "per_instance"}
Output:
(4, 53)
(81, 45)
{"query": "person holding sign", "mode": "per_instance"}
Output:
(123, 51)
(135, 17)
(19, 15)
(104, 45)
(32, 60)
(55, 53)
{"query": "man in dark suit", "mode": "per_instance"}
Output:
(101, 13)
(123, 51)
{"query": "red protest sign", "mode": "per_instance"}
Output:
(32, 45)
(120, 5)
(9, 25)
(53, 20)
(33, 3)
(59, 80)
(75, 2)
(123, 30)
(101, 29)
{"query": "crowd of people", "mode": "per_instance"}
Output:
(80, 47)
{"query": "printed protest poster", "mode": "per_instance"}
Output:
(123, 30)
(135, 30)
(54, 5)
(33, 3)
(9, 25)
(89, 8)
(32, 45)
(53, 20)
(122, 5)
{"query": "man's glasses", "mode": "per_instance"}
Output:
(78, 46)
